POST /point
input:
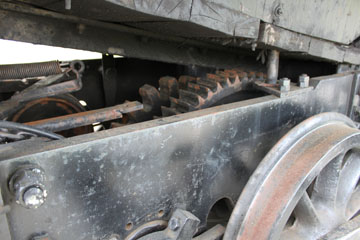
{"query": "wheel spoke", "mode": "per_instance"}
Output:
(349, 177)
(353, 206)
(305, 211)
(326, 184)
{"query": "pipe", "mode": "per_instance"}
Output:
(273, 66)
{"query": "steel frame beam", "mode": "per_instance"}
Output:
(21, 22)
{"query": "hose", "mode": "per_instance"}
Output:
(33, 130)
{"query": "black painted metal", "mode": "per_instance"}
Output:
(114, 181)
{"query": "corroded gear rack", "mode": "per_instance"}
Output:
(189, 93)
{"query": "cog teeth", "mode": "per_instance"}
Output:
(212, 76)
(216, 78)
(199, 89)
(168, 88)
(166, 111)
(243, 76)
(212, 85)
(190, 97)
(150, 98)
(190, 93)
(228, 77)
(184, 80)
(232, 75)
(180, 105)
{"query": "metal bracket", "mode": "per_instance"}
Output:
(182, 226)
(274, 89)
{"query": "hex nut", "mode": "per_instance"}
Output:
(27, 184)
(174, 224)
(304, 80)
(285, 84)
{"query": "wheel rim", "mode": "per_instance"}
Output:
(310, 176)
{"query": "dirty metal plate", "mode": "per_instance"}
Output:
(112, 182)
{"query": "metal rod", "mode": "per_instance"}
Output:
(273, 66)
(70, 121)
(214, 233)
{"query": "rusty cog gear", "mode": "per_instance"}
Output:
(188, 93)
(200, 93)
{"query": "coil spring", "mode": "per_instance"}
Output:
(19, 71)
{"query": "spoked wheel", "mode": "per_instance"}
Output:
(306, 187)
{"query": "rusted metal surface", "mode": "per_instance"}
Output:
(190, 93)
(199, 93)
(169, 87)
(75, 120)
(151, 102)
(68, 85)
(279, 184)
(50, 107)
(26, 70)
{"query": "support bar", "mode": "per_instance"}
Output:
(273, 66)
(70, 121)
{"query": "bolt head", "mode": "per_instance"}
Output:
(304, 80)
(27, 185)
(278, 11)
(285, 84)
(34, 197)
(174, 224)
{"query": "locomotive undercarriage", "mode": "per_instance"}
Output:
(128, 181)
(186, 135)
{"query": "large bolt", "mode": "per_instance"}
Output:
(285, 84)
(27, 184)
(278, 11)
(174, 224)
(304, 80)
